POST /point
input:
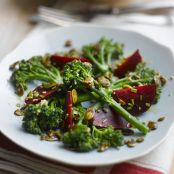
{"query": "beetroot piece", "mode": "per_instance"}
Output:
(63, 59)
(69, 110)
(104, 119)
(136, 100)
(129, 64)
(40, 93)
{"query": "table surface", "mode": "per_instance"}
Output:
(14, 24)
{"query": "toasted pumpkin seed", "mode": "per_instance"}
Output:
(152, 125)
(161, 119)
(18, 112)
(140, 139)
(127, 132)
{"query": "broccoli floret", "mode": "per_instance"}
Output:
(141, 75)
(143, 72)
(76, 73)
(102, 52)
(34, 69)
(79, 139)
(42, 117)
(30, 122)
(108, 135)
(147, 73)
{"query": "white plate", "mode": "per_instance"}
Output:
(158, 56)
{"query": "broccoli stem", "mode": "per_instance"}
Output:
(109, 58)
(84, 97)
(101, 56)
(81, 98)
(127, 81)
(116, 106)
(42, 77)
(102, 67)
(97, 106)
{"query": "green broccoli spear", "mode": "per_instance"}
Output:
(79, 75)
(102, 52)
(34, 69)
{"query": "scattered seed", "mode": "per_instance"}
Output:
(139, 108)
(103, 81)
(141, 97)
(163, 80)
(13, 66)
(129, 108)
(161, 119)
(89, 81)
(74, 96)
(127, 132)
(171, 78)
(140, 139)
(49, 85)
(140, 84)
(35, 93)
(58, 135)
(170, 94)
(131, 144)
(134, 90)
(147, 104)
(18, 105)
(89, 114)
(132, 100)
(127, 86)
(103, 147)
(48, 137)
(68, 43)
(130, 104)
(35, 100)
(122, 102)
(152, 125)
(129, 125)
(106, 110)
(18, 112)
(98, 110)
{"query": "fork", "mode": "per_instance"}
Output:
(67, 18)
(60, 17)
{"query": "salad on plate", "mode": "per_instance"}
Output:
(88, 99)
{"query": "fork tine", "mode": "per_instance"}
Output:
(60, 17)
(59, 13)
(54, 20)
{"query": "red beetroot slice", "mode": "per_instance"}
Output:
(40, 93)
(104, 119)
(64, 59)
(69, 110)
(136, 100)
(129, 64)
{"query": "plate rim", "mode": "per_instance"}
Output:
(74, 163)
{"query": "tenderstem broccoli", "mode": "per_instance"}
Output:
(102, 52)
(70, 76)
(34, 69)
(83, 138)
